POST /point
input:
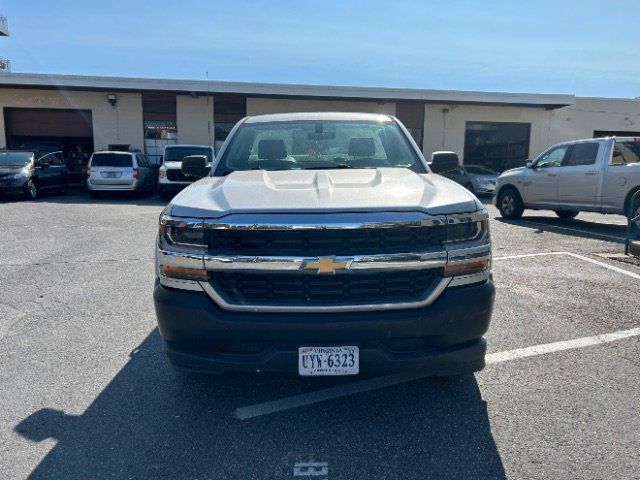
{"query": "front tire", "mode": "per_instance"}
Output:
(566, 214)
(31, 191)
(510, 204)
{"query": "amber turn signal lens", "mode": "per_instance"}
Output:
(466, 268)
(184, 273)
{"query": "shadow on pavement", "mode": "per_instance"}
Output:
(81, 197)
(573, 228)
(150, 422)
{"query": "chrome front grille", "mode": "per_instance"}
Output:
(325, 262)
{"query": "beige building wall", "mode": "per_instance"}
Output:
(194, 118)
(121, 124)
(260, 106)
(446, 131)
(592, 114)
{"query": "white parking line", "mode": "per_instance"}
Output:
(574, 255)
(526, 255)
(304, 399)
(585, 232)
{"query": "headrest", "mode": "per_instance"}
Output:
(272, 149)
(362, 147)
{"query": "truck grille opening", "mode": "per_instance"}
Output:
(326, 242)
(295, 289)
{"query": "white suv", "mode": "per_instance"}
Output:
(120, 171)
(170, 177)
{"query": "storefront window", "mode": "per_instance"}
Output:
(497, 145)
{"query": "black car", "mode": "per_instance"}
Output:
(26, 173)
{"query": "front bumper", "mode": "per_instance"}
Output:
(12, 187)
(442, 339)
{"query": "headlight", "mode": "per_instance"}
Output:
(187, 233)
(162, 173)
(469, 228)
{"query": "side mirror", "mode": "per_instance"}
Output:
(444, 162)
(195, 166)
(529, 164)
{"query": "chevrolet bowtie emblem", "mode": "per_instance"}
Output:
(326, 265)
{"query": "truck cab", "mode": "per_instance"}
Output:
(595, 175)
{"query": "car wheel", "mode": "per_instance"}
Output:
(31, 190)
(566, 214)
(510, 204)
(469, 186)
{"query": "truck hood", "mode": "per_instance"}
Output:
(298, 191)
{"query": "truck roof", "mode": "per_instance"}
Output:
(336, 116)
(189, 145)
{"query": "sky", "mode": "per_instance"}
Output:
(586, 48)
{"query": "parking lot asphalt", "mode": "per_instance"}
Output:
(86, 392)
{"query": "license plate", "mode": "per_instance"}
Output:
(111, 174)
(318, 361)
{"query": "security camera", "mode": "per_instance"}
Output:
(112, 99)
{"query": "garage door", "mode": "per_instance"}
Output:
(47, 122)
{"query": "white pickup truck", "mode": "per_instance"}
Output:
(593, 175)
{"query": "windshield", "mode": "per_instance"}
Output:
(15, 158)
(176, 154)
(311, 144)
(111, 160)
(479, 170)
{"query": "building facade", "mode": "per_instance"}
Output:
(80, 114)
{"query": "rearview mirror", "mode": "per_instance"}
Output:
(195, 166)
(529, 164)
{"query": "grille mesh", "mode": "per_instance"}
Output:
(326, 242)
(301, 289)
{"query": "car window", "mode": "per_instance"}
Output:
(626, 152)
(109, 159)
(552, 158)
(54, 159)
(582, 154)
(176, 154)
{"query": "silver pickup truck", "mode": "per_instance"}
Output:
(594, 175)
(321, 244)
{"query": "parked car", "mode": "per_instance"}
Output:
(320, 243)
(28, 174)
(477, 179)
(110, 171)
(593, 175)
(170, 177)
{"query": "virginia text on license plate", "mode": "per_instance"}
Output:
(328, 361)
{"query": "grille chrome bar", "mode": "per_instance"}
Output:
(359, 262)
